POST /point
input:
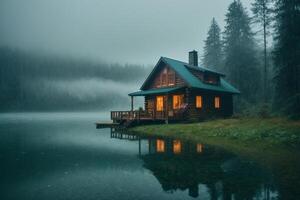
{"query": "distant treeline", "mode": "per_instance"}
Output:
(16, 63)
(39, 82)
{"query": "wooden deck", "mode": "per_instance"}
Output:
(125, 119)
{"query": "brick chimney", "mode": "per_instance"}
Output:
(193, 58)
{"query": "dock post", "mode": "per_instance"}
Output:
(139, 146)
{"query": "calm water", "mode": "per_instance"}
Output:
(63, 156)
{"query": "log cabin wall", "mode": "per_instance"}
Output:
(150, 105)
(208, 109)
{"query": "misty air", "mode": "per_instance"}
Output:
(136, 99)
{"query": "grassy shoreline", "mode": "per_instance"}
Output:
(252, 137)
(272, 131)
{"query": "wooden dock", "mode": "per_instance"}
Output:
(107, 124)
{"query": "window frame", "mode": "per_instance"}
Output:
(181, 96)
(217, 102)
(171, 78)
(201, 102)
(162, 105)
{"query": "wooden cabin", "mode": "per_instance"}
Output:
(179, 91)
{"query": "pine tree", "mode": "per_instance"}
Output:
(240, 52)
(263, 16)
(287, 56)
(212, 57)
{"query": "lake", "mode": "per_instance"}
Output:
(63, 156)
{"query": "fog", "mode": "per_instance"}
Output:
(74, 54)
(35, 82)
(131, 31)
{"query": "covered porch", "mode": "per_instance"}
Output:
(161, 104)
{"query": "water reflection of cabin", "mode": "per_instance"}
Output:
(193, 167)
(157, 145)
(173, 146)
(175, 90)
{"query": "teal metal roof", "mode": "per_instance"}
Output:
(182, 69)
(199, 68)
(155, 91)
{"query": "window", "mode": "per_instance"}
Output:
(198, 101)
(171, 78)
(160, 146)
(177, 101)
(212, 79)
(159, 103)
(217, 102)
(164, 77)
(176, 146)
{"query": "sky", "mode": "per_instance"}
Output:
(124, 31)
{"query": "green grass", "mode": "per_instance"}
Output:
(270, 131)
(248, 136)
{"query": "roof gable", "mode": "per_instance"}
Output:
(157, 67)
(181, 69)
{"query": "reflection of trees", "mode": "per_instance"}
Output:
(223, 174)
(179, 172)
(245, 180)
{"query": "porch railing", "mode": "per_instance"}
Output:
(121, 115)
(145, 115)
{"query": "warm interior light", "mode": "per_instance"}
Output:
(176, 146)
(217, 102)
(177, 101)
(164, 77)
(159, 103)
(199, 148)
(171, 78)
(198, 101)
(160, 145)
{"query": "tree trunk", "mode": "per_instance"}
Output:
(265, 62)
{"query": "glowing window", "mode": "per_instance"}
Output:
(159, 103)
(199, 148)
(198, 101)
(160, 146)
(217, 102)
(171, 78)
(164, 77)
(177, 101)
(176, 146)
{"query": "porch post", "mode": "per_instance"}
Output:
(187, 99)
(140, 147)
(131, 103)
(154, 109)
